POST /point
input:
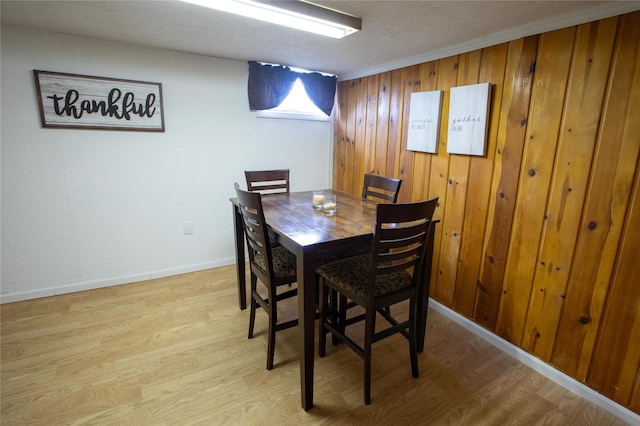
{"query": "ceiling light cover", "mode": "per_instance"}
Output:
(300, 15)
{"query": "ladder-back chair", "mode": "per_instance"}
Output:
(390, 273)
(273, 266)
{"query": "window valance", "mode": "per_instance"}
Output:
(270, 84)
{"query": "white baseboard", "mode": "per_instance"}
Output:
(108, 282)
(531, 361)
(541, 367)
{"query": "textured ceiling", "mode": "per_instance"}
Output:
(394, 33)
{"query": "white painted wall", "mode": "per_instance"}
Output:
(85, 209)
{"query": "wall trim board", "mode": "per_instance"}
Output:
(109, 282)
(557, 22)
(536, 364)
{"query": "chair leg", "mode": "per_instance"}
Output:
(252, 311)
(368, 340)
(336, 319)
(413, 339)
(271, 345)
(342, 313)
(322, 304)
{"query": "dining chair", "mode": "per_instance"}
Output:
(273, 266)
(381, 188)
(390, 273)
(267, 181)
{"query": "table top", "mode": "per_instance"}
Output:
(293, 217)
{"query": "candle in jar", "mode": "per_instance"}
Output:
(318, 199)
(329, 206)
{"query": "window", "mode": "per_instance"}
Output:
(283, 92)
(296, 105)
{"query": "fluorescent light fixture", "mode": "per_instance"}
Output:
(300, 15)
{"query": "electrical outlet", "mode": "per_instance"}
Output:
(187, 226)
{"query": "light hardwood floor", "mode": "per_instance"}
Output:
(174, 351)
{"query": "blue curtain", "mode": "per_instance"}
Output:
(269, 85)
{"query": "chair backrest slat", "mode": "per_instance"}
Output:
(381, 188)
(267, 181)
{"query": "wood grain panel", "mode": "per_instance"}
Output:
(615, 163)
(514, 112)
(457, 186)
(422, 160)
(359, 145)
(634, 405)
(352, 111)
(552, 69)
(396, 106)
(340, 123)
(581, 117)
(616, 361)
(382, 129)
(372, 122)
(412, 84)
(531, 234)
(480, 172)
(447, 78)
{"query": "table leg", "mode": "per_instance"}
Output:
(240, 268)
(306, 323)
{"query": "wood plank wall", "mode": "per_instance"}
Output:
(539, 240)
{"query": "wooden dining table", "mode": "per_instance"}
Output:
(312, 235)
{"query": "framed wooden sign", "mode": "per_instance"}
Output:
(468, 119)
(87, 102)
(424, 121)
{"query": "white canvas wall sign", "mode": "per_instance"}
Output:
(468, 119)
(87, 102)
(424, 121)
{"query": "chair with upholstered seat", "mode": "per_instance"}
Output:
(381, 188)
(267, 181)
(390, 273)
(273, 266)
